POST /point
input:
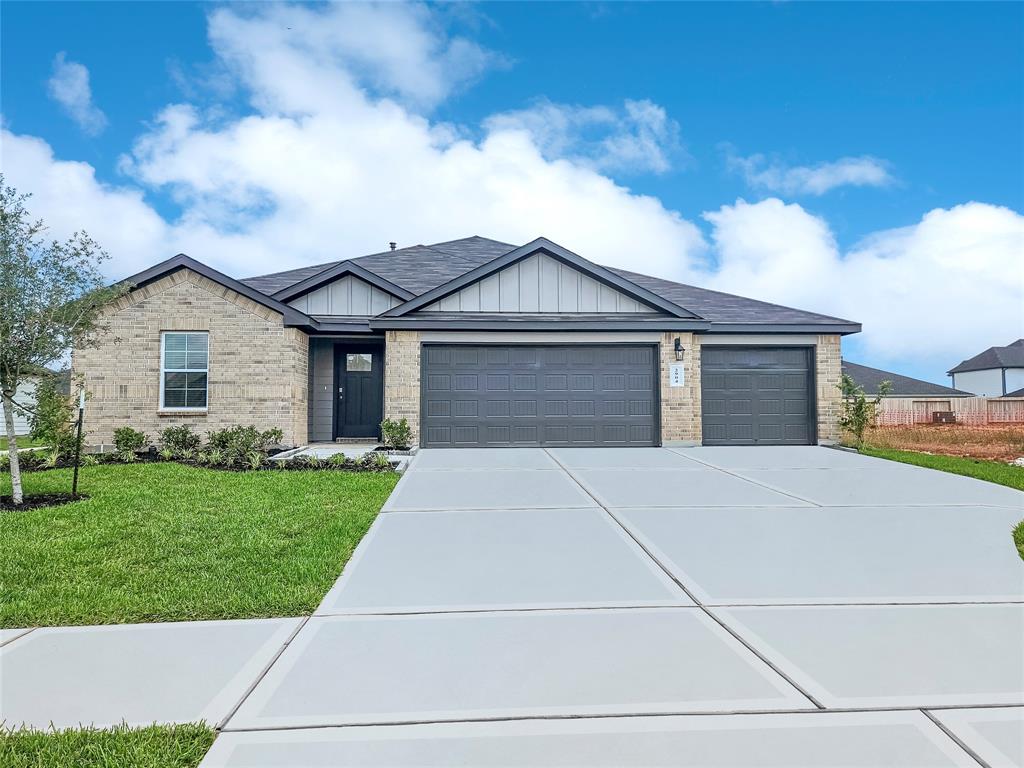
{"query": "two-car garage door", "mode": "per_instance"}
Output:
(534, 395)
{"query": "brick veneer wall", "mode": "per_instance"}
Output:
(402, 379)
(828, 363)
(680, 406)
(258, 369)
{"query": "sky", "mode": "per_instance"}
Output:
(865, 161)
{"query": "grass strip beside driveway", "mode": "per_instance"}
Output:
(992, 471)
(157, 746)
(167, 542)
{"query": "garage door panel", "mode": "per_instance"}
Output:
(541, 395)
(755, 396)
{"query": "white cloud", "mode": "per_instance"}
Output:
(776, 176)
(288, 53)
(69, 87)
(324, 168)
(927, 294)
(640, 137)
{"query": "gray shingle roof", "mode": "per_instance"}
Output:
(417, 268)
(1010, 356)
(869, 379)
(1015, 393)
(720, 307)
(420, 268)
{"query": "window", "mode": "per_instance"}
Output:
(184, 363)
(360, 361)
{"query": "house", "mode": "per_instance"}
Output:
(902, 386)
(474, 341)
(994, 372)
(24, 395)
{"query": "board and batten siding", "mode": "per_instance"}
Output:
(346, 296)
(321, 390)
(538, 283)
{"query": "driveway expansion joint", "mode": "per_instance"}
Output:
(689, 593)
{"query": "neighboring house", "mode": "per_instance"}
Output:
(475, 342)
(902, 386)
(1015, 393)
(24, 395)
(993, 373)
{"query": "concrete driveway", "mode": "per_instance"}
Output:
(605, 607)
(704, 606)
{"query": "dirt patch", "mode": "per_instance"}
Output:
(995, 443)
(38, 501)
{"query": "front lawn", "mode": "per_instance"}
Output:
(992, 471)
(158, 746)
(22, 441)
(167, 542)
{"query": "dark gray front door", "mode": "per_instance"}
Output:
(358, 390)
(757, 396)
(518, 395)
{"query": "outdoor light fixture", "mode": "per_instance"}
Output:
(678, 347)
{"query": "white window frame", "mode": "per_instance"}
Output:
(164, 371)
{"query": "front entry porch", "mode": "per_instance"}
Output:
(346, 389)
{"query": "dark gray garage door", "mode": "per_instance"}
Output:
(757, 396)
(538, 395)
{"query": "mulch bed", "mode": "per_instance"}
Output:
(38, 501)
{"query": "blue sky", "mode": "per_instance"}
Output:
(809, 154)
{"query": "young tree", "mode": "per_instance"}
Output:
(51, 298)
(858, 413)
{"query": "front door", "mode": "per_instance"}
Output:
(358, 390)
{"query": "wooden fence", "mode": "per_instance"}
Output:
(895, 411)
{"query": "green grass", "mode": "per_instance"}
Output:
(992, 471)
(157, 746)
(22, 441)
(167, 542)
(1018, 538)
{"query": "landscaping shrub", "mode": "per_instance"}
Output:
(180, 440)
(53, 421)
(128, 442)
(858, 413)
(395, 434)
(234, 444)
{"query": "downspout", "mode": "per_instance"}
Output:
(1004, 380)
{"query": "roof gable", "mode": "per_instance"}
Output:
(346, 296)
(641, 300)
(291, 315)
(538, 283)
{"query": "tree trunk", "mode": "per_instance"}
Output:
(12, 448)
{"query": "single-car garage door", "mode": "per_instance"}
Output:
(757, 396)
(519, 395)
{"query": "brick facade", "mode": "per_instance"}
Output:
(828, 364)
(257, 368)
(680, 406)
(402, 379)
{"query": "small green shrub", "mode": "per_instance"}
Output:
(128, 440)
(180, 439)
(395, 434)
(377, 461)
(254, 459)
(53, 422)
(338, 459)
(235, 443)
(858, 413)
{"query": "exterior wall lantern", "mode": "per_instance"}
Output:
(678, 347)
